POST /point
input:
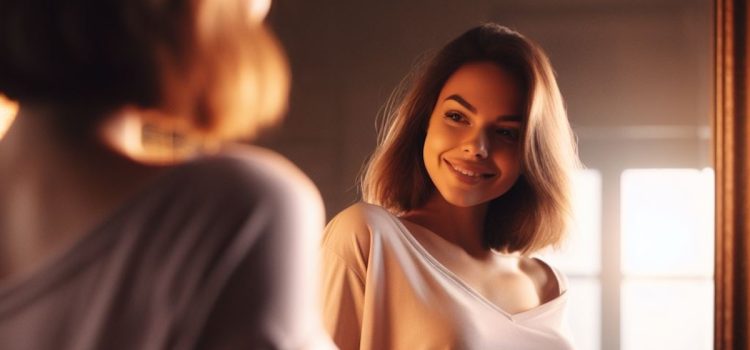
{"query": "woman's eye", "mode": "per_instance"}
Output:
(509, 134)
(455, 117)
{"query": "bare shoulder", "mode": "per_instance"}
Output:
(543, 276)
(349, 234)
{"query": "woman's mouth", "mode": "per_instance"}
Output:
(468, 172)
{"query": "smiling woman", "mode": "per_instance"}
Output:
(471, 148)
(470, 178)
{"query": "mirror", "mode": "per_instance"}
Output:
(637, 78)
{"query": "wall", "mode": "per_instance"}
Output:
(629, 70)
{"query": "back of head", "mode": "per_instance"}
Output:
(208, 66)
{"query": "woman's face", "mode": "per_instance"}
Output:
(471, 151)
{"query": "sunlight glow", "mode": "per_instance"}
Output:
(667, 314)
(258, 9)
(8, 110)
(667, 259)
(584, 312)
(667, 222)
(580, 253)
(579, 258)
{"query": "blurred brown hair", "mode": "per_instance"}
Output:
(210, 65)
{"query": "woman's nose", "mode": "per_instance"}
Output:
(477, 146)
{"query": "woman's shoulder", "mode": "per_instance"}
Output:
(359, 218)
(549, 280)
(244, 189)
(350, 231)
(359, 215)
(256, 167)
(252, 173)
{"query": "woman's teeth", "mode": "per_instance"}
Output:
(465, 172)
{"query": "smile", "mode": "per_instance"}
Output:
(470, 174)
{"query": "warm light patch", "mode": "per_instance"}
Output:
(579, 258)
(258, 9)
(667, 222)
(8, 110)
(580, 254)
(147, 137)
(249, 74)
(667, 258)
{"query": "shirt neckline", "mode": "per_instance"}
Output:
(515, 317)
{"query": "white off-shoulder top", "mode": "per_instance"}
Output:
(383, 290)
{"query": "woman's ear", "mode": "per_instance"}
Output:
(151, 136)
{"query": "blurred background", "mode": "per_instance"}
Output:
(637, 78)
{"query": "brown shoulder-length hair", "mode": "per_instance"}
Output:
(535, 212)
(208, 66)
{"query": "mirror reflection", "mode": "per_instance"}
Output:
(636, 77)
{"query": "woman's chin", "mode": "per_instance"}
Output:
(464, 200)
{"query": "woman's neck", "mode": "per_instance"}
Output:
(462, 226)
(56, 183)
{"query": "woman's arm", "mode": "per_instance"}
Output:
(345, 253)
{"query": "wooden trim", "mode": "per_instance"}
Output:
(732, 176)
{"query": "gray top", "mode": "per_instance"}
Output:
(213, 255)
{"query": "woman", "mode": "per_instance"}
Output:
(470, 178)
(199, 244)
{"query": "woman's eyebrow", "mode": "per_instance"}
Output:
(510, 118)
(461, 101)
(469, 106)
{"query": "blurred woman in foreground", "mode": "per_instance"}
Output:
(126, 220)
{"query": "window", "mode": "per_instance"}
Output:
(663, 279)
(580, 259)
(667, 259)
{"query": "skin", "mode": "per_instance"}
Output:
(472, 155)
